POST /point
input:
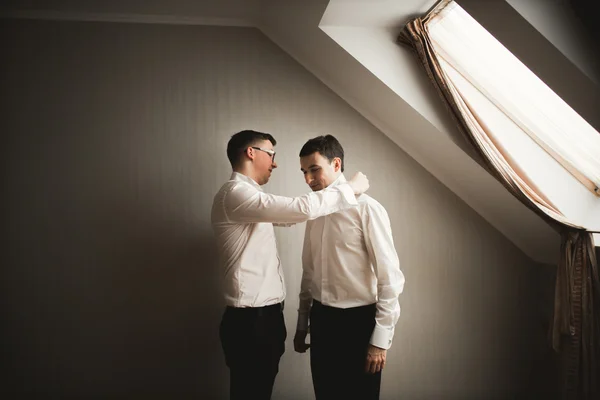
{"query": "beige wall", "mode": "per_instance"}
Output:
(114, 145)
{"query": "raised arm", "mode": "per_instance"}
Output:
(244, 203)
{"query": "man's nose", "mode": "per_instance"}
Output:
(273, 164)
(308, 178)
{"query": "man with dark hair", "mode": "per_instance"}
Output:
(252, 330)
(351, 281)
(240, 141)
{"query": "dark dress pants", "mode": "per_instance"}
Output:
(253, 341)
(339, 340)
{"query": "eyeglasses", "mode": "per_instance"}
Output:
(268, 151)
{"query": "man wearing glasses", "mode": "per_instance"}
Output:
(252, 328)
(351, 281)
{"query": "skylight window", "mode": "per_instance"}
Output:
(505, 96)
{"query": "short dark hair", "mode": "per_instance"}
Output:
(240, 141)
(328, 146)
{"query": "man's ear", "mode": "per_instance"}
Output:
(337, 164)
(250, 153)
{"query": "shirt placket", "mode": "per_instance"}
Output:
(279, 268)
(324, 264)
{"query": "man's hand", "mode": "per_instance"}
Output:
(300, 344)
(375, 359)
(359, 183)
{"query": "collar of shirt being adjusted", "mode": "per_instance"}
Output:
(339, 179)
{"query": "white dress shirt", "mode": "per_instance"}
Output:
(242, 219)
(349, 260)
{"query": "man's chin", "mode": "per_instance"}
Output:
(266, 179)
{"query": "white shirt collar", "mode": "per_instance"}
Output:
(236, 176)
(340, 179)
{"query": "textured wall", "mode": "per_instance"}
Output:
(113, 146)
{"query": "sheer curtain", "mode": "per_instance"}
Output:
(494, 98)
(460, 42)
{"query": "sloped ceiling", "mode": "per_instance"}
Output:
(407, 109)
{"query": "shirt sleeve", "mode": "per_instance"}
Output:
(390, 280)
(307, 274)
(245, 204)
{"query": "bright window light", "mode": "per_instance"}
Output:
(510, 99)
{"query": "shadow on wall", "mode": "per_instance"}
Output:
(167, 280)
(112, 298)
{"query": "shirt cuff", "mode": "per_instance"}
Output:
(347, 192)
(382, 337)
(302, 324)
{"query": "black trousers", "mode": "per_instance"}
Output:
(253, 341)
(339, 340)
